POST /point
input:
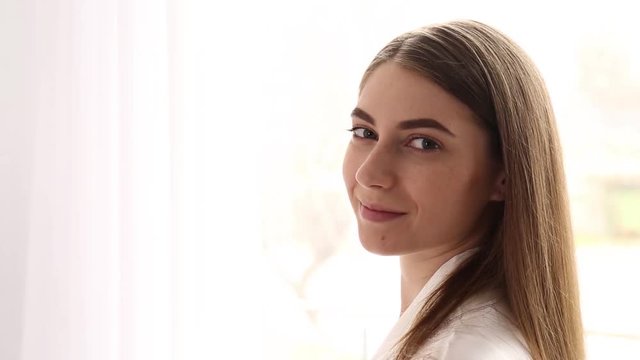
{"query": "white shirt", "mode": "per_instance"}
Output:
(479, 330)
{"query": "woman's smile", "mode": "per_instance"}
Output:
(378, 213)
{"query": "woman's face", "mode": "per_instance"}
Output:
(418, 169)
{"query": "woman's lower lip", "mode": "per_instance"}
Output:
(377, 216)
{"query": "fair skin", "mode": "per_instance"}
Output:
(419, 174)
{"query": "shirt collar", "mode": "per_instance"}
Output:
(406, 319)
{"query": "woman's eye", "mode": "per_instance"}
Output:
(363, 133)
(423, 143)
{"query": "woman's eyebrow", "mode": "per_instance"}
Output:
(405, 124)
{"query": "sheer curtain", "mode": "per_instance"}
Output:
(94, 231)
(129, 201)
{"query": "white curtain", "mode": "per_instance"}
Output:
(129, 199)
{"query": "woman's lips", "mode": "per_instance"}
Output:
(378, 215)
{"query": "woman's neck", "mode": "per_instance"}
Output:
(417, 268)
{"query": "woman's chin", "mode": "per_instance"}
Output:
(380, 246)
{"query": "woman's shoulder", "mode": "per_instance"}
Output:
(480, 329)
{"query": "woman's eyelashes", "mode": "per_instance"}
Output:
(424, 143)
(421, 143)
(364, 133)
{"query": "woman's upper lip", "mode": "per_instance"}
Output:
(378, 207)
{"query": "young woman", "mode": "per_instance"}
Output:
(455, 166)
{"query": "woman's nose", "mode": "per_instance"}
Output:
(377, 170)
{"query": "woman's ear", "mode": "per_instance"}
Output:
(499, 187)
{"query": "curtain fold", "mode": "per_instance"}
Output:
(16, 151)
(131, 184)
(98, 252)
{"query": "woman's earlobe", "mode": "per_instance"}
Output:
(499, 188)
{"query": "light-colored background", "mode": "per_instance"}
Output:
(170, 173)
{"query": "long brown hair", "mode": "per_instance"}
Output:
(529, 254)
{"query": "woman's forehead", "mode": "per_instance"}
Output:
(394, 93)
